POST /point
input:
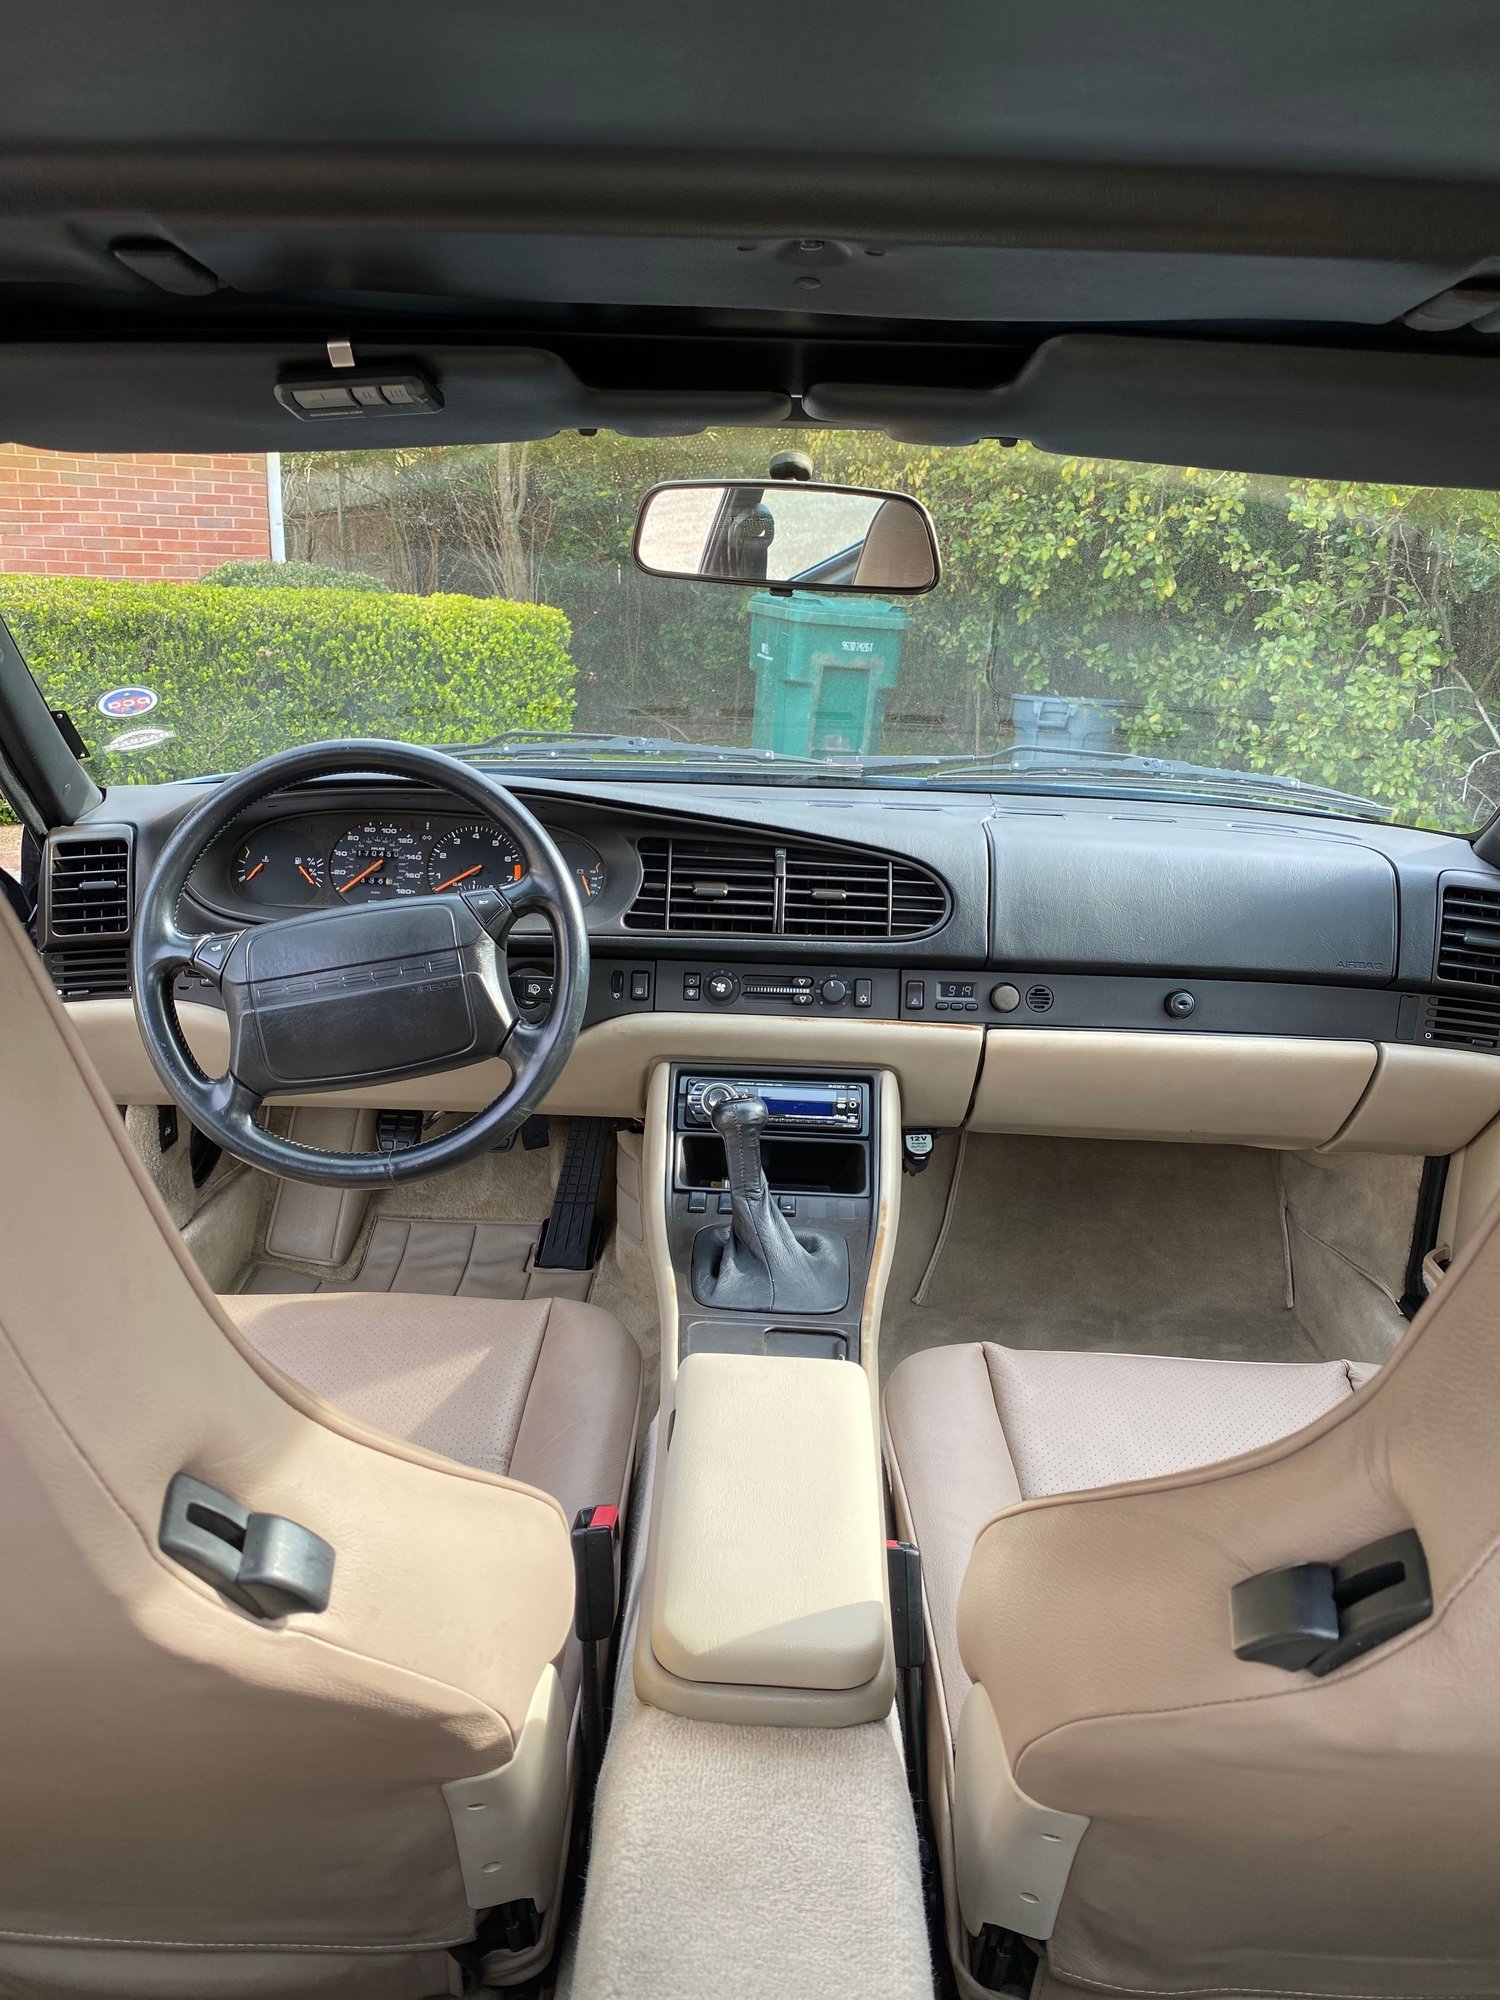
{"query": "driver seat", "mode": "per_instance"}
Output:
(201, 1799)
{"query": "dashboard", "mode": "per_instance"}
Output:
(975, 943)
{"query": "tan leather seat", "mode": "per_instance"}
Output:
(197, 1800)
(1166, 1817)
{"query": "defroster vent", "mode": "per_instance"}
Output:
(766, 888)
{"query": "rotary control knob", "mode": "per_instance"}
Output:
(832, 991)
(721, 988)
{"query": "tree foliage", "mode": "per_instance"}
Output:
(1344, 635)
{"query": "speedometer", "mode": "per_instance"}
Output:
(474, 857)
(376, 861)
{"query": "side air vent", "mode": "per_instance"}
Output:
(759, 888)
(1469, 935)
(1449, 1023)
(86, 915)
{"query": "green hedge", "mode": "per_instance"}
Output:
(290, 576)
(240, 673)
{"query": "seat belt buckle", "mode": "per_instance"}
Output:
(596, 1604)
(1316, 1616)
(596, 1573)
(903, 1569)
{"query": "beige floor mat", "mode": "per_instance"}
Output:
(1077, 1243)
(466, 1260)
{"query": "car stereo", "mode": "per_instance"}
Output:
(795, 1105)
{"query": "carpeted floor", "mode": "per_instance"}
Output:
(1133, 1248)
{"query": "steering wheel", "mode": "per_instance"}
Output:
(335, 999)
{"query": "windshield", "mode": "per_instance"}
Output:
(1126, 630)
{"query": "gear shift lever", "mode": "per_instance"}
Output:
(760, 1263)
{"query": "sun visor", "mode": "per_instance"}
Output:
(201, 397)
(1297, 412)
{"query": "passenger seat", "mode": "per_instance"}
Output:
(1124, 1772)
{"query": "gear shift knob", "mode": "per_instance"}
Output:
(739, 1122)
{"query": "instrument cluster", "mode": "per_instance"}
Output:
(320, 861)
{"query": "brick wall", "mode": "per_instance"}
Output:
(148, 516)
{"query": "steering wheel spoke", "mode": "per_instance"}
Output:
(235, 1103)
(211, 953)
(164, 950)
(500, 907)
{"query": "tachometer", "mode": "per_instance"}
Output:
(376, 861)
(474, 857)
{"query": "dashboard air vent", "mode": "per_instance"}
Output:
(88, 888)
(860, 896)
(1469, 935)
(91, 972)
(86, 918)
(1450, 1023)
(759, 888)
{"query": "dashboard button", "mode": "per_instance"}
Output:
(916, 994)
(864, 992)
(640, 985)
(1005, 999)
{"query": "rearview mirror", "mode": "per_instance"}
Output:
(789, 535)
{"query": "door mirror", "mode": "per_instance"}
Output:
(787, 534)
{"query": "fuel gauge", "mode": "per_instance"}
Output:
(276, 867)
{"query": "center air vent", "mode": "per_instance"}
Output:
(760, 888)
(86, 914)
(1469, 935)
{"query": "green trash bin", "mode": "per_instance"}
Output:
(823, 668)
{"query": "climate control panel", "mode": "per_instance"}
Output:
(779, 989)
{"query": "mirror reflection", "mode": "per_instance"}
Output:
(793, 534)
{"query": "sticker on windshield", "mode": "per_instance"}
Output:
(122, 703)
(149, 738)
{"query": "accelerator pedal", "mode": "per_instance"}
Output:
(571, 1234)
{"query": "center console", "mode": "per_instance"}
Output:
(771, 1209)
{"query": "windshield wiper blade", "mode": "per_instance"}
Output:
(1126, 764)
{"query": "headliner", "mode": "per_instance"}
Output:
(636, 191)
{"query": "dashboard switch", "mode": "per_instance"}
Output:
(640, 985)
(721, 988)
(1005, 999)
(916, 995)
(864, 992)
(833, 992)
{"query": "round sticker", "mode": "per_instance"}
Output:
(122, 703)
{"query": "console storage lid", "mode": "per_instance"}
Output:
(769, 1565)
